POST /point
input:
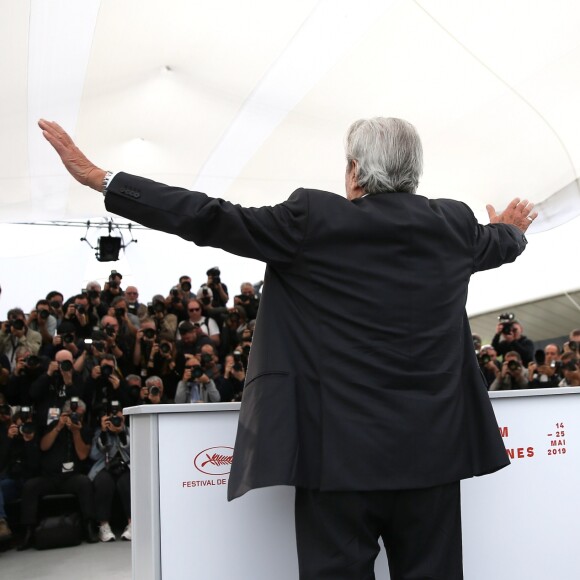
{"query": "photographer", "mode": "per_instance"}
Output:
(162, 362)
(55, 301)
(509, 337)
(176, 302)
(77, 313)
(66, 339)
(134, 307)
(191, 339)
(234, 324)
(152, 392)
(488, 363)
(128, 323)
(111, 453)
(65, 447)
(195, 386)
(545, 371)
(41, 320)
(54, 386)
(231, 388)
(19, 458)
(28, 368)
(104, 385)
(116, 344)
(97, 309)
(219, 290)
(512, 376)
(15, 333)
(112, 288)
(203, 324)
(571, 372)
(164, 321)
(248, 301)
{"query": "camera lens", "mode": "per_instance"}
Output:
(165, 347)
(66, 366)
(149, 333)
(43, 314)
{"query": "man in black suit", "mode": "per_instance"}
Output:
(370, 403)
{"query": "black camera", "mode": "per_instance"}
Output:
(514, 365)
(25, 414)
(120, 312)
(174, 295)
(110, 330)
(149, 333)
(571, 365)
(116, 421)
(106, 371)
(186, 286)
(68, 337)
(27, 429)
(74, 407)
(32, 361)
(66, 366)
(55, 304)
(99, 345)
(93, 294)
(154, 391)
(206, 359)
(573, 345)
(196, 372)
(238, 365)
(5, 410)
(17, 324)
(164, 347)
(80, 309)
(484, 359)
(44, 314)
(540, 357)
(507, 320)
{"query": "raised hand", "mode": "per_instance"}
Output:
(517, 213)
(72, 157)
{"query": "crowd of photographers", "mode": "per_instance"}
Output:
(69, 367)
(512, 362)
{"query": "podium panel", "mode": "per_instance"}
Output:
(521, 522)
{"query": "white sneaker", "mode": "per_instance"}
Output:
(126, 535)
(105, 533)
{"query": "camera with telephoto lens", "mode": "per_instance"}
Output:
(27, 428)
(206, 359)
(74, 407)
(507, 320)
(186, 286)
(215, 275)
(44, 314)
(93, 294)
(106, 371)
(110, 330)
(32, 361)
(66, 366)
(164, 347)
(80, 308)
(17, 324)
(514, 365)
(119, 312)
(154, 391)
(149, 333)
(115, 420)
(238, 365)
(68, 337)
(540, 357)
(484, 359)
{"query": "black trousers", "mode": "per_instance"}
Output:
(37, 487)
(337, 533)
(105, 485)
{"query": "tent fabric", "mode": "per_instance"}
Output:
(251, 100)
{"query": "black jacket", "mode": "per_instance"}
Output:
(362, 374)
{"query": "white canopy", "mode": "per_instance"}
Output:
(249, 100)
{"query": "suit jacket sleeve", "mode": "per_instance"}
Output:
(496, 244)
(270, 234)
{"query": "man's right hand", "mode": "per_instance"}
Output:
(72, 157)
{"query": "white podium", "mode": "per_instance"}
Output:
(522, 522)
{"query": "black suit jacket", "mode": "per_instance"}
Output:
(362, 374)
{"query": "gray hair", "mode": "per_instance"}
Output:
(387, 152)
(154, 381)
